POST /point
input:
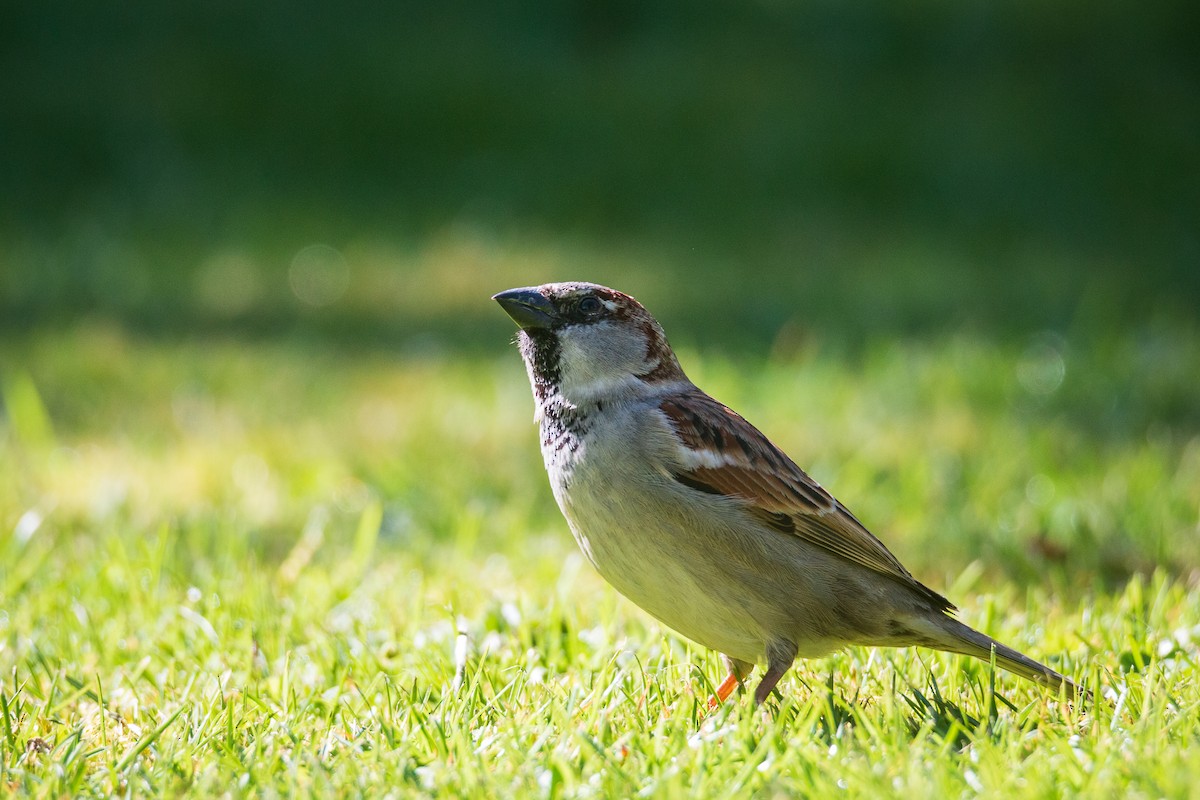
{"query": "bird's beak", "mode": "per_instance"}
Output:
(528, 307)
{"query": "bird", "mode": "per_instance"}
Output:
(689, 511)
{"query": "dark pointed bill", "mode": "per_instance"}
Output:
(528, 307)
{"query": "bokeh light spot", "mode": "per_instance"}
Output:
(1042, 368)
(319, 275)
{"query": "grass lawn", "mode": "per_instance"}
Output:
(280, 567)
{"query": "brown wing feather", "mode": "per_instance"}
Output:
(775, 488)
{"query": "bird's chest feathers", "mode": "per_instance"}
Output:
(597, 479)
(564, 428)
(605, 474)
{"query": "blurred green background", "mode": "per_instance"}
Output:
(855, 170)
(945, 252)
(266, 450)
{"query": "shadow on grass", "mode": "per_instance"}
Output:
(930, 714)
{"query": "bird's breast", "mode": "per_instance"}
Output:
(632, 523)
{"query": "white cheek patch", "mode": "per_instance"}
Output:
(599, 360)
(601, 386)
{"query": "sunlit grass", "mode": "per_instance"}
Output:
(284, 567)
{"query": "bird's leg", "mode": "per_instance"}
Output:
(738, 672)
(726, 688)
(780, 655)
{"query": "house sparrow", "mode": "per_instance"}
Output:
(694, 515)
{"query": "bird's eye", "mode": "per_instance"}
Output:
(589, 305)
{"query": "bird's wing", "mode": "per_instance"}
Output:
(724, 454)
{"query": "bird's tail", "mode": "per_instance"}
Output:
(955, 637)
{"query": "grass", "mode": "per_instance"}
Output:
(280, 567)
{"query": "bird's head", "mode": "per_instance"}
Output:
(588, 342)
